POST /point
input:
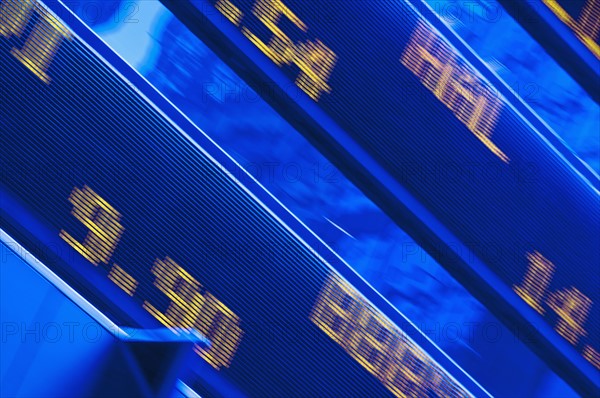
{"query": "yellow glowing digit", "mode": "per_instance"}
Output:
(316, 62)
(43, 41)
(375, 344)
(222, 328)
(101, 219)
(183, 290)
(406, 377)
(191, 309)
(537, 279)
(14, 15)
(338, 312)
(560, 13)
(41, 45)
(280, 48)
(572, 307)
(315, 59)
(413, 374)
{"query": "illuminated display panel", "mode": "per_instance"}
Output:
(101, 182)
(569, 30)
(399, 104)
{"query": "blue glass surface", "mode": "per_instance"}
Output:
(39, 325)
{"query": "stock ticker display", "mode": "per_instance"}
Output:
(113, 189)
(393, 98)
(154, 228)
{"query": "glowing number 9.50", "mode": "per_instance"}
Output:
(101, 219)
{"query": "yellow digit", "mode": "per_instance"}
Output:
(376, 343)
(338, 312)
(560, 13)
(430, 60)
(592, 356)
(572, 307)
(280, 48)
(371, 339)
(222, 328)
(41, 45)
(315, 59)
(316, 62)
(101, 219)
(537, 279)
(183, 290)
(191, 309)
(408, 377)
(14, 15)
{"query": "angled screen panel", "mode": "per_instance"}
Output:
(417, 121)
(101, 182)
(569, 30)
